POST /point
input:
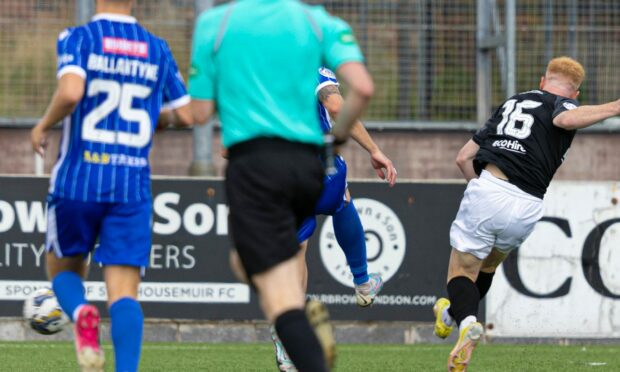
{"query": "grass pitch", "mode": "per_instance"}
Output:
(58, 356)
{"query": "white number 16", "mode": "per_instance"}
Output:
(121, 97)
(513, 113)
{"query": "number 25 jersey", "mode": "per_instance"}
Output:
(521, 140)
(129, 74)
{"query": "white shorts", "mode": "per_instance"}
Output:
(493, 213)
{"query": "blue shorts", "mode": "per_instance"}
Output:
(331, 201)
(123, 229)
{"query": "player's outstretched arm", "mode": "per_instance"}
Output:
(68, 94)
(332, 100)
(465, 160)
(361, 89)
(584, 116)
(382, 165)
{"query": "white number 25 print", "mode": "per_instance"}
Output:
(118, 97)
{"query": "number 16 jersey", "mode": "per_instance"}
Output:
(521, 140)
(129, 74)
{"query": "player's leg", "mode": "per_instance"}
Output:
(71, 233)
(462, 290)
(66, 275)
(283, 361)
(336, 201)
(125, 245)
(265, 192)
(352, 239)
(472, 236)
(464, 300)
(126, 315)
(350, 236)
(487, 271)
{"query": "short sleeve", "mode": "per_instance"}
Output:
(175, 93)
(339, 44)
(480, 135)
(326, 78)
(70, 56)
(202, 69)
(563, 104)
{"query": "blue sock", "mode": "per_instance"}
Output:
(69, 290)
(126, 322)
(350, 235)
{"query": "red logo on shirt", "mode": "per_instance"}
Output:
(125, 47)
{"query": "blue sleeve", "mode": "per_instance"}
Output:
(326, 78)
(71, 57)
(175, 93)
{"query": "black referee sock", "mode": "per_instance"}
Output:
(464, 298)
(484, 283)
(300, 341)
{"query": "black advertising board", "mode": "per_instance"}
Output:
(407, 238)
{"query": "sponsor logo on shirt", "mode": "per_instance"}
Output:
(510, 145)
(125, 47)
(105, 158)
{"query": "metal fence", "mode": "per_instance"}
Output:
(422, 53)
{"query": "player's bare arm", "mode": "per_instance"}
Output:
(585, 116)
(332, 100)
(361, 89)
(179, 117)
(202, 110)
(68, 94)
(465, 159)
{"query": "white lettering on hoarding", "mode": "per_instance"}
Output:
(19, 290)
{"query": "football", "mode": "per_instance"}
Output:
(42, 312)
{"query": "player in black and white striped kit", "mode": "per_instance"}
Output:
(509, 164)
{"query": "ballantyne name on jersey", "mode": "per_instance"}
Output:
(122, 66)
(510, 145)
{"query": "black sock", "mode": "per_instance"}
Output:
(484, 283)
(464, 298)
(300, 341)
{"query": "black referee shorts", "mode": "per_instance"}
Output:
(272, 186)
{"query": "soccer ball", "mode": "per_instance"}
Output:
(43, 314)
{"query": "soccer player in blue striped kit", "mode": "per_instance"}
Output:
(113, 77)
(336, 201)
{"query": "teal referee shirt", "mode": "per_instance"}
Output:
(257, 59)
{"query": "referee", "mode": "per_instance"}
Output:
(255, 62)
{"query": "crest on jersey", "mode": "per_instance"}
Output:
(385, 242)
(569, 106)
(327, 73)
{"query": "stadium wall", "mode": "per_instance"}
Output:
(561, 286)
(416, 154)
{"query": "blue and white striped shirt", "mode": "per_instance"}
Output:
(326, 77)
(129, 74)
